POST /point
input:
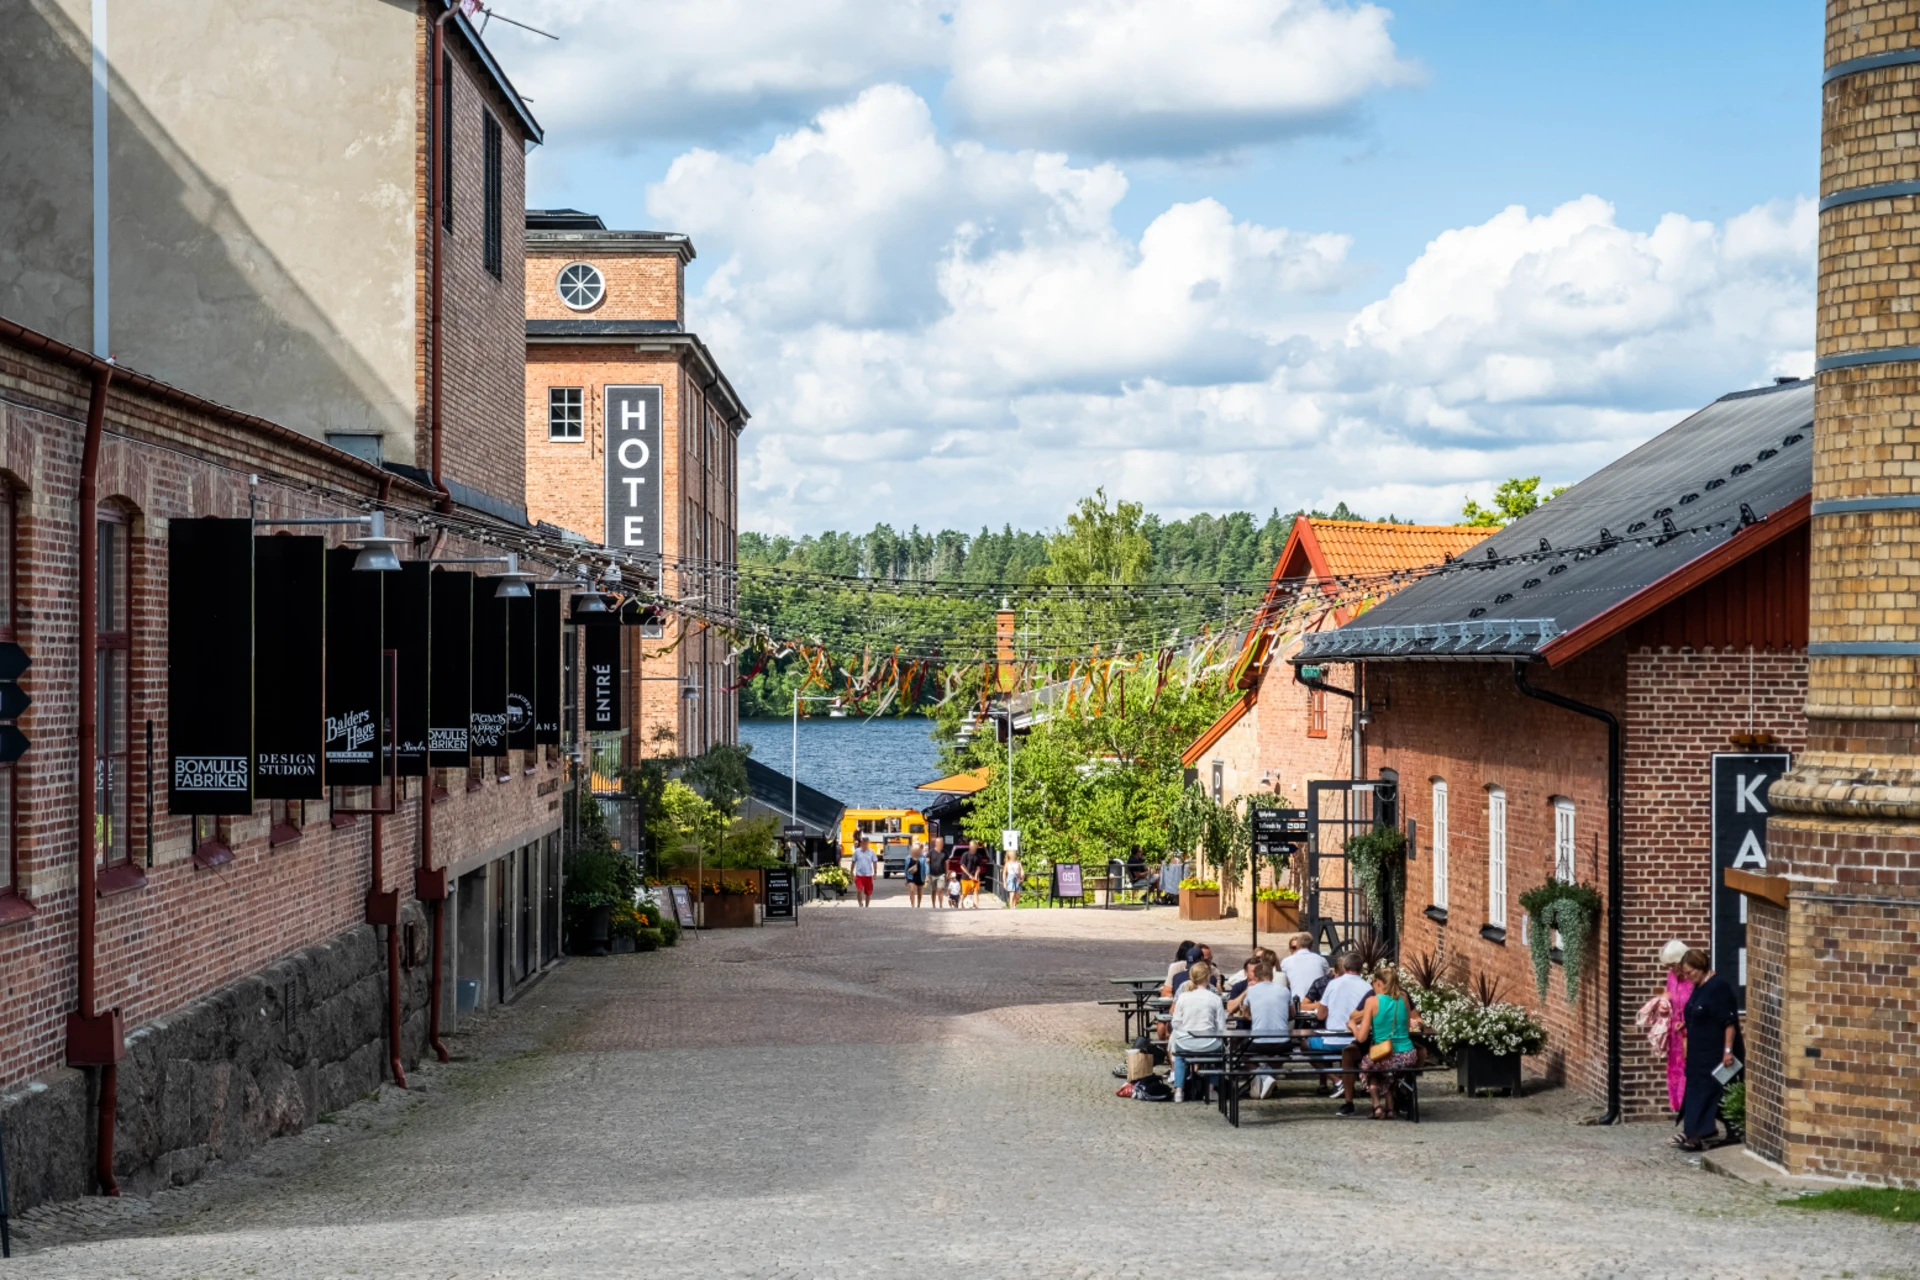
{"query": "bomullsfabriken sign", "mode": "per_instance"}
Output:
(522, 653)
(408, 632)
(355, 680)
(210, 666)
(602, 710)
(546, 677)
(450, 681)
(490, 640)
(289, 666)
(633, 469)
(1740, 785)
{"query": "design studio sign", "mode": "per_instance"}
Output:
(633, 469)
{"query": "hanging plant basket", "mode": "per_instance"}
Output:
(1573, 909)
(1379, 862)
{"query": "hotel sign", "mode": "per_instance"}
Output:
(633, 469)
(1739, 793)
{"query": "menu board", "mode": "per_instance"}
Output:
(781, 901)
(1066, 880)
(682, 905)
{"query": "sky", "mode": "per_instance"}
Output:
(968, 260)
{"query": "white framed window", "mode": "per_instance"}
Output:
(566, 413)
(1563, 839)
(1496, 857)
(581, 286)
(1440, 843)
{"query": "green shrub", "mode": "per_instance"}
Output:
(669, 931)
(648, 940)
(1733, 1105)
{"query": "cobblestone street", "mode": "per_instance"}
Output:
(892, 1093)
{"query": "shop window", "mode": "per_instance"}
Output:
(112, 706)
(1440, 843)
(1496, 858)
(566, 414)
(1316, 713)
(1563, 839)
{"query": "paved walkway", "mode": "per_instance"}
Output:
(888, 1093)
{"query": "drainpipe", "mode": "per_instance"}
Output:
(430, 885)
(1616, 890)
(435, 217)
(384, 906)
(87, 1022)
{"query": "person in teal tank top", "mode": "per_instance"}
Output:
(1387, 1018)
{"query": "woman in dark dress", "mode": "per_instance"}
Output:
(1713, 1034)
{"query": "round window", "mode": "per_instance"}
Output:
(581, 286)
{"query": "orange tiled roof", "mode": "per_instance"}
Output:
(1359, 546)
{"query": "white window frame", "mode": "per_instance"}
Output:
(1497, 857)
(585, 280)
(1440, 843)
(578, 410)
(1563, 839)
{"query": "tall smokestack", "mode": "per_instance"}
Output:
(1833, 1066)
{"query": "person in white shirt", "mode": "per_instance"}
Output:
(1336, 1007)
(1268, 1006)
(1303, 966)
(863, 867)
(1199, 1016)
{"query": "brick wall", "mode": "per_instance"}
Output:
(482, 367)
(188, 930)
(1467, 723)
(1766, 1069)
(1293, 758)
(640, 286)
(1682, 707)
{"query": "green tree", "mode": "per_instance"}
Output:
(1517, 496)
(1101, 543)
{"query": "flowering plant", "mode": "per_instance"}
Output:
(832, 878)
(1501, 1029)
(1192, 882)
(1277, 895)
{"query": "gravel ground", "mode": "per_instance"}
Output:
(889, 1093)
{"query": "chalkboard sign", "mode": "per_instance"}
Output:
(782, 903)
(1066, 880)
(682, 905)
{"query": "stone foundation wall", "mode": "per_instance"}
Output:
(261, 1057)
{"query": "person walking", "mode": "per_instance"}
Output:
(1016, 877)
(917, 872)
(937, 879)
(1712, 1019)
(956, 871)
(970, 876)
(863, 865)
(1664, 1020)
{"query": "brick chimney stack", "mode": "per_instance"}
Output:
(1832, 1061)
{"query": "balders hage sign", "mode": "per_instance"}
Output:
(633, 470)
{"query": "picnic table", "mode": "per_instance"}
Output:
(1134, 1008)
(1239, 1059)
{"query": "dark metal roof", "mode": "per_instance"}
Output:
(603, 328)
(1746, 456)
(563, 220)
(774, 789)
(514, 101)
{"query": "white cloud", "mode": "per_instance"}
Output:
(942, 333)
(1165, 77)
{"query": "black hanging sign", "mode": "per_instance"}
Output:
(489, 719)
(633, 469)
(522, 660)
(289, 666)
(354, 676)
(602, 708)
(409, 631)
(450, 679)
(546, 676)
(210, 666)
(1739, 809)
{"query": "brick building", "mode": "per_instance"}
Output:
(1667, 593)
(612, 377)
(312, 273)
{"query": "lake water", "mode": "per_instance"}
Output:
(863, 764)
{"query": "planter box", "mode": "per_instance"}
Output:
(1277, 917)
(623, 945)
(730, 911)
(1475, 1069)
(1199, 904)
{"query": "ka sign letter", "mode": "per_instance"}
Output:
(633, 469)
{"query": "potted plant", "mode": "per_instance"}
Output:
(1378, 859)
(1573, 909)
(730, 902)
(626, 922)
(833, 880)
(1486, 1040)
(1277, 910)
(1199, 899)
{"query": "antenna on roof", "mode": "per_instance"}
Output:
(470, 7)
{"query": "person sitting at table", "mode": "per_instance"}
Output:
(1198, 1018)
(1138, 877)
(1267, 1006)
(1240, 984)
(1303, 965)
(1334, 1009)
(1387, 1017)
(1181, 959)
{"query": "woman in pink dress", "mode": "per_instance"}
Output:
(1678, 991)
